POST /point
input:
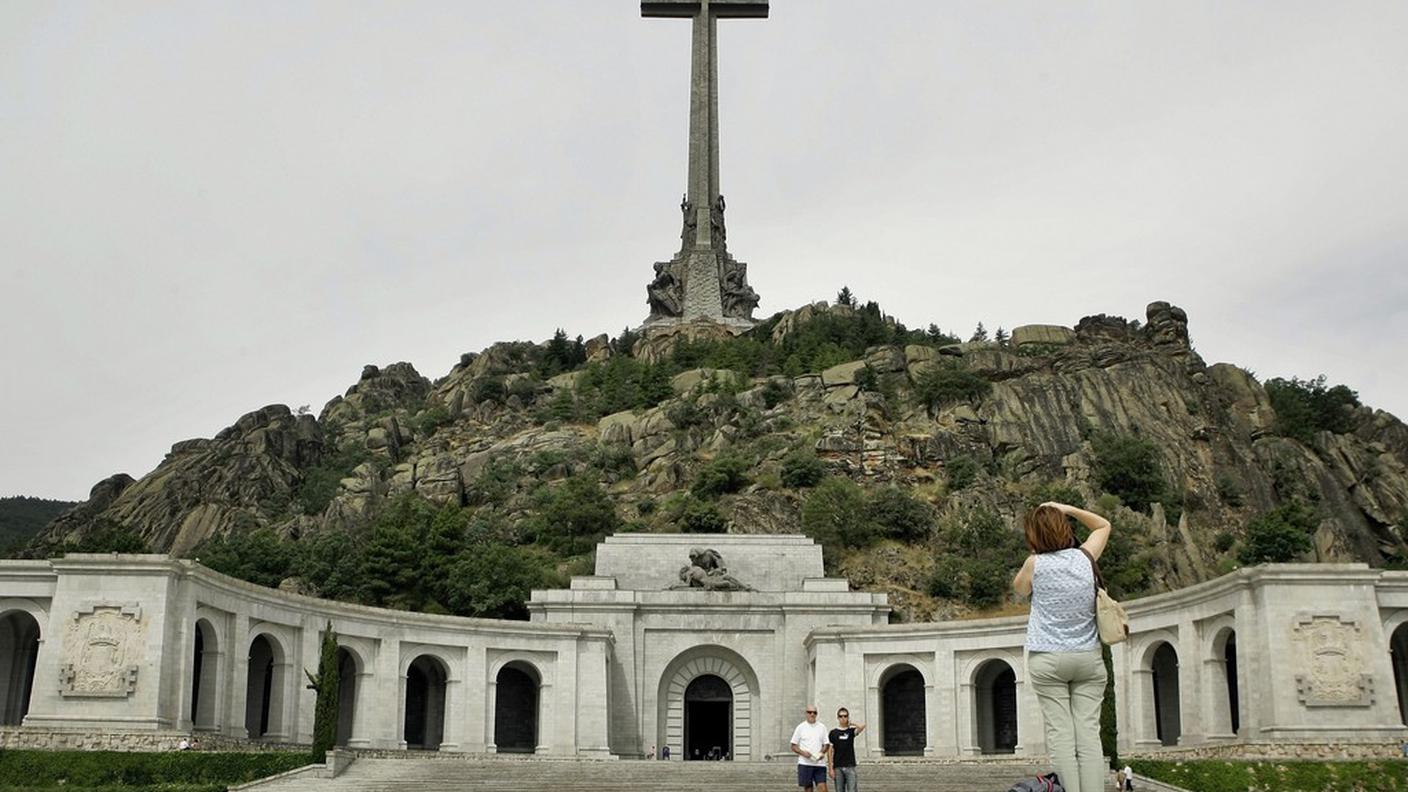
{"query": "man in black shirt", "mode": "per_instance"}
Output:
(842, 756)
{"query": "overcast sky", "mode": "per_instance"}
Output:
(207, 207)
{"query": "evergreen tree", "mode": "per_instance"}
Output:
(326, 682)
(980, 333)
(845, 297)
(1000, 336)
(625, 343)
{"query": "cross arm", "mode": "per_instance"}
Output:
(750, 9)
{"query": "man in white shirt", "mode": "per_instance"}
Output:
(810, 744)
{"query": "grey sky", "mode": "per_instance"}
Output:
(209, 207)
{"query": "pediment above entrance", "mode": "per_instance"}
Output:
(660, 562)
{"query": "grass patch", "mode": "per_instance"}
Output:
(1218, 776)
(183, 771)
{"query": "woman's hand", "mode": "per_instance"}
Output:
(1060, 507)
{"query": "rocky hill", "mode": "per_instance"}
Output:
(908, 453)
(22, 517)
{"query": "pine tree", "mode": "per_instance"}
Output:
(845, 297)
(1000, 336)
(326, 683)
(980, 334)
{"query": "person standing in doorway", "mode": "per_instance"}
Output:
(842, 756)
(1064, 661)
(809, 743)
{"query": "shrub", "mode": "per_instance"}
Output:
(325, 706)
(1304, 407)
(320, 483)
(1282, 534)
(775, 393)
(487, 389)
(979, 555)
(1128, 466)
(78, 769)
(896, 514)
(106, 537)
(1228, 490)
(942, 385)
(835, 514)
(430, 420)
(495, 580)
(698, 516)
(802, 468)
(724, 474)
(572, 516)
(258, 556)
(962, 472)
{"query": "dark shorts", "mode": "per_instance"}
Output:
(810, 775)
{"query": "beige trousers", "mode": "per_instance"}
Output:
(1070, 686)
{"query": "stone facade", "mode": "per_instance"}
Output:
(133, 651)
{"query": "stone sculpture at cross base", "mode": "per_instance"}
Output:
(706, 571)
(702, 283)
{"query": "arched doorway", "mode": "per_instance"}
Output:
(19, 651)
(516, 709)
(737, 674)
(205, 666)
(1229, 662)
(708, 719)
(346, 695)
(1167, 717)
(425, 704)
(1398, 658)
(902, 716)
(263, 710)
(995, 703)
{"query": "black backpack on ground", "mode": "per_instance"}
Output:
(1042, 783)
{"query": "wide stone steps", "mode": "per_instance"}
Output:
(512, 775)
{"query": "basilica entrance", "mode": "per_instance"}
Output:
(708, 719)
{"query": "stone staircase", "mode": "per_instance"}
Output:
(427, 774)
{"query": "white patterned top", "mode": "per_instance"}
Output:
(1063, 604)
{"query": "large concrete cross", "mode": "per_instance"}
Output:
(703, 190)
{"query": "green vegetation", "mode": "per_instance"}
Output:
(942, 385)
(22, 517)
(573, 515)
(1304, 407)
(326, 682)
(962, 472)
(802, 468)
(838, 513)
(1278, 776)
(978, 556)
(176, 771)
(1282, 534)
(1109, 720)
(1128, 466)
(728, 472)
(694, 515)
(320, 482)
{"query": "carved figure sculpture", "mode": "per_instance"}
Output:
(706, 571)
(739, 299)
(689, 224)
(665, 294)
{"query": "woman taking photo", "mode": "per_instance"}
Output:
(1064, 661)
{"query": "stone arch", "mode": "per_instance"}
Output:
(1398, 658)
(427, 679)
(207, 669)
(350, 667)
(995, 718)
(517, 706)
(1223, 695)
(264, 686)
(1163, 720)
(736, 673)
(903, 717)
(19, 655)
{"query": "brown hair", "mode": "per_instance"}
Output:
(1048, 530)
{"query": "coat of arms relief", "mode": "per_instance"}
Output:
(1330, 658)
(102, 650)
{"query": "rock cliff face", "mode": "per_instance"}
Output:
(1052, 390)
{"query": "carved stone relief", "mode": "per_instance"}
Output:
(102, 649)
(1330, 659)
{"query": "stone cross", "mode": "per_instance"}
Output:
(713, 286)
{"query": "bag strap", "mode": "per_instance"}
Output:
(1099, 581)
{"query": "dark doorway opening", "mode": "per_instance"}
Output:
(1229, 653)
(996, 699)
(708, 719)
(260, 685)
(346, 696)
(425, 704)
(19, 651)
(1168, 721)
(516, 710)
(902, 715)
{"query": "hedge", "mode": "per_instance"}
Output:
(1216, 776)
(187, 771)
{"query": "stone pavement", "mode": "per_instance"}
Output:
(426, 774)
